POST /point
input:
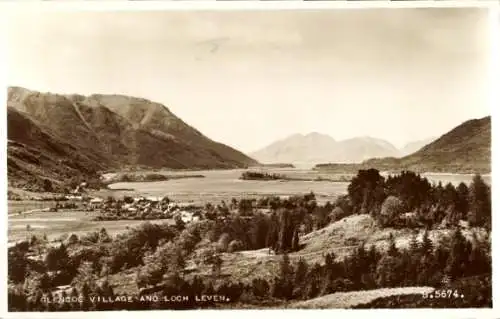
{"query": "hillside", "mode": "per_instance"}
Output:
(464, 149)
(81, 135)
(355, 298)
(340, 237)
(414, 146)
(316, 148)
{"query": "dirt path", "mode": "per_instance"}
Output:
(36, 210)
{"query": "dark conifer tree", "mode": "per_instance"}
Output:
(479, 203)
(392, 250)
(457, 261)
(295, 241)
(462, 204)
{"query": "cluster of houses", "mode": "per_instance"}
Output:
(159, 206)
(151, 205)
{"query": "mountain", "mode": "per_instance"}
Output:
(464, 149)
(55, 136)
(414, 146)
(357, 149)
(316, 148)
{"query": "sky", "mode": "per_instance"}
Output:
(249, 78)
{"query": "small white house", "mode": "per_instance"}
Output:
(96, 202)
(74, 197)
(187, 217)
(139, 199)
(153, 199)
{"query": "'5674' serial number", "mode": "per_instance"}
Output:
(448, 293)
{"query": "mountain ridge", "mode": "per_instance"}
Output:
(317, 147)
(104, 132)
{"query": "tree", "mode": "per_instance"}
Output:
(312, 289)
(223, 242)
(86, 276)
(150, 274)
(259, 229)
(392, 250)
(450, 196)
(286, 229)
(337, 214)
(300, 272)
(458, 259)
(85, 293)
(105, 290)
(17, 265)
(286, 277)
(179, 263)
(462, 204)
(426, 246)
(216, 265)
(479, 261)
(73, 239)
(366, 190)
(34, 240)
(260, 288)
(414, 247)
(295, 241)
(57, 258)
(235, 245)
(245, 206)
(273, 233)
(391, 209)
(47, 186)
(479, 203)
(104, 236)
(387, 271)
(179, 223)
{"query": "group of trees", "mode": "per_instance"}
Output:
(250, 175)
(387, 199)
(421, 264)
(278, 229)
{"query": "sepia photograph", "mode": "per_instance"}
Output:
(249, 159)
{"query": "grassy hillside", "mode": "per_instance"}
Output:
(78, 135)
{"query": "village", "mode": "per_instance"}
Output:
(133, 208)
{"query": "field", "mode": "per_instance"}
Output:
(56, 224)
(16, 207)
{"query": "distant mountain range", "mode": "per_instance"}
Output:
(317, 148)
(464, 149)
(55, 137)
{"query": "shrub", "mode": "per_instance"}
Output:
(390, 211)
(235, 245)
